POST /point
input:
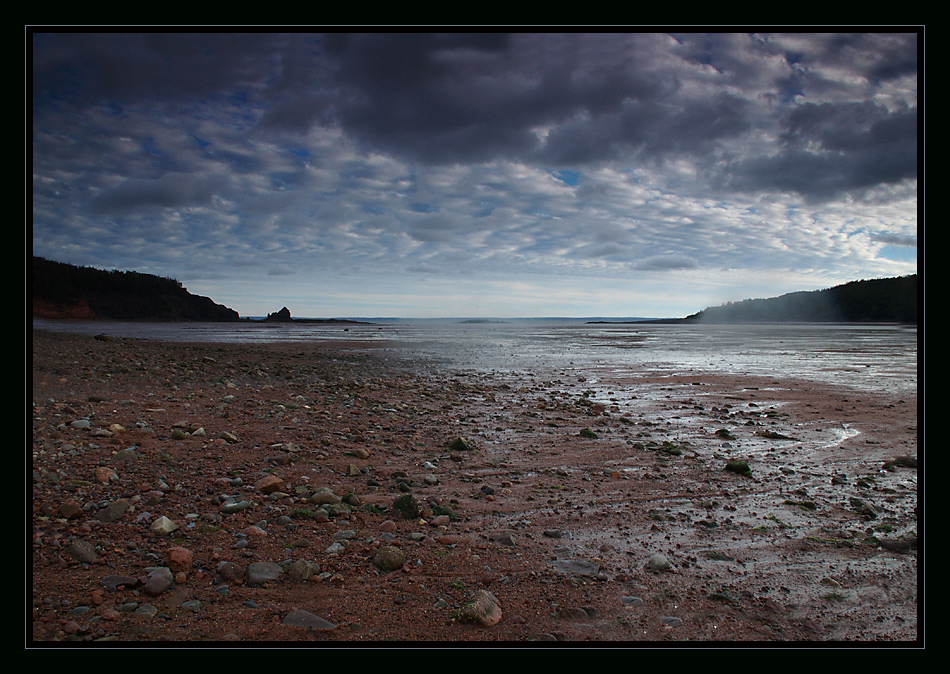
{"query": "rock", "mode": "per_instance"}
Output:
(901, 462)
(231, 572)
(235, 506)
(481, 609)
(574, 613)
(115, 582)
(324, 495)
(282, 316)
(269, 484)
(461, 444)
(407, 506)
(588, 433)
(389, 558)
(104, 475)
(70, 510)
(113, 511)
(179, 559)
(865, 510)
(300, 618)
(659, 562)
(146, 611)
(899, 545)
(301, 569)
(259, 573)
(158, 580)
(576, 567)
(739, 466)
(162, 526)
(83, 551)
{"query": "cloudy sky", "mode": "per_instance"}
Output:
(479, 174)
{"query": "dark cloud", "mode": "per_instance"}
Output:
(172, 190)
(156, 65)
(829, 149)
(510, 156)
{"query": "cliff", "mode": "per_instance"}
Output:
(65, 291)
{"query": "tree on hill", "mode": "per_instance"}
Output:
(878, 300)
(119, 295)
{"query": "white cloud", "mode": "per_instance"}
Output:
(282, 166)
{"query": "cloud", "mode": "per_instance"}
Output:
(317, 157)
(172, 190)
(665, 263)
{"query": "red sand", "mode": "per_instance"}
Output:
(558, 527)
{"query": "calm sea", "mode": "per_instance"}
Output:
(864, 357)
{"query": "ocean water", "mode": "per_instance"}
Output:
(860, 356)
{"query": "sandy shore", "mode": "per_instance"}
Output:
(574, 512)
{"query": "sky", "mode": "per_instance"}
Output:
(479, 173)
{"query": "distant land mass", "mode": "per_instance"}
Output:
(887, 300)
(63, 290)
(283, 316)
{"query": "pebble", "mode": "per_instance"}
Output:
(259, 573)
(158, 580)
(481, 609)
(389, 558)
(163, 526)
(300, 618)
(235, 506)
(83, 551)
(659, 562)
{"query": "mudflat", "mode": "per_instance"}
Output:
(292, 492)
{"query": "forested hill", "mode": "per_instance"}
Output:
(892, 300)
(65, 291)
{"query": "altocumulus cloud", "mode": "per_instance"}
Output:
(595, 163)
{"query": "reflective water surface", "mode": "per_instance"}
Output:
(855, 355)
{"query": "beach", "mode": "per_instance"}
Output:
(291, 492)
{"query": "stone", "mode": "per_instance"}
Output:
(179, 559)
(269, 484)
(658, 562)
(162, 526)
(324, 495)
(104, 475)
(158, 580)
(259, 573)
(739, 467)
(300, 618)
(231, 572)
(235, 506)
(301, 569)
(481, 609)
(389, 558)
(83, 551)
(70, 510)
(461, 444)
(116, 582)
(576, 567)
(114, 511)
(407, 506)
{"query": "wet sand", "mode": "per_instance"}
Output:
(592, 509)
